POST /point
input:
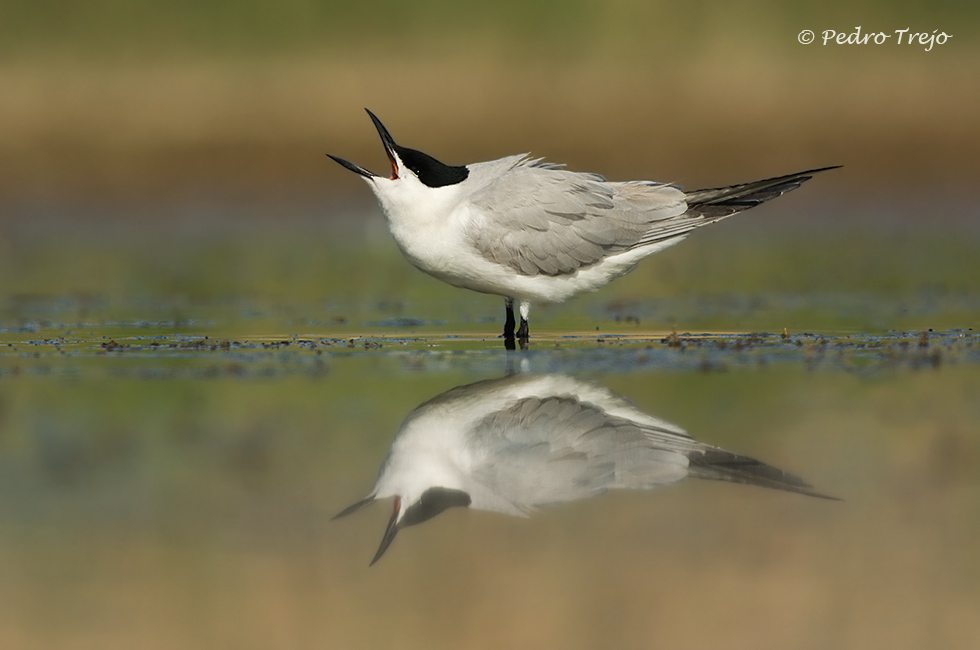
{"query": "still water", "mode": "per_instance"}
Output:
(160, 496)
(179, 424)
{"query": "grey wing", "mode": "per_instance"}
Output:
(539, 219)
(549, 450)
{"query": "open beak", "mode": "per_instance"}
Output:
(354, 168)
(393, 524)
(387, 141)
(389, 145)
(366, 501)
(390, 532)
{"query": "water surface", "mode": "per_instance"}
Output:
(182, 413)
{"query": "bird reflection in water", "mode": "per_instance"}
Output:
(515, 444)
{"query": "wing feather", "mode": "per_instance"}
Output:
(541, 219)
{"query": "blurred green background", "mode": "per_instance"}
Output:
(114, 99)
(163, 179)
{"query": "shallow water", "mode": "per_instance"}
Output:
(179, 421)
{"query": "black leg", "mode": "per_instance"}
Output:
(523, 334)
(509, 326)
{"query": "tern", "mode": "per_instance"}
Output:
(516, 444)
(532, 231)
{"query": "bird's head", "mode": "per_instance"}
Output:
(407, 165)
(411, 511)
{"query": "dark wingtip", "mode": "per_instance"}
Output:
(824, 496)
(810, 172)
(822, 169)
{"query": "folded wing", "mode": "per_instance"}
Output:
(542, 220)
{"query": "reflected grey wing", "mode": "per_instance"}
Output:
(538, 219)
(543, 451)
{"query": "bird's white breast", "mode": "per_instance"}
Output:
(422, 221)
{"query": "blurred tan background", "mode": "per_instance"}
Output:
(124, 101)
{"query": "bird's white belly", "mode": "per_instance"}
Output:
(445, 253)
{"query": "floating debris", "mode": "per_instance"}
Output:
(161, 353)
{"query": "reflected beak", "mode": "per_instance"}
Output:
(366, 501)
(387, 141)
(390, 532)
(393, 524)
